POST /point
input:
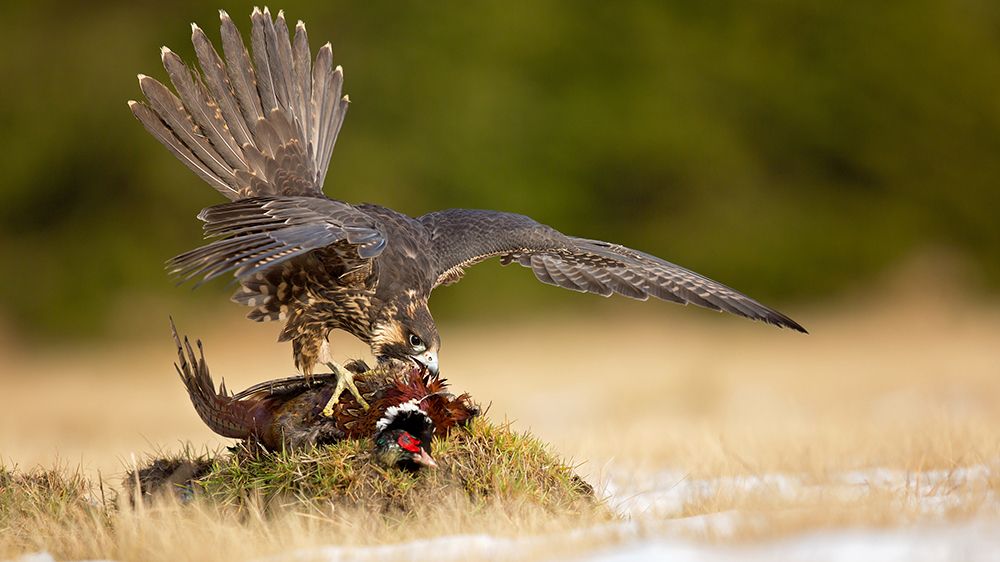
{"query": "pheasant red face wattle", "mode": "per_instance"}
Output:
(409, 443)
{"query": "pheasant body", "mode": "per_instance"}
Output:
(287, 413)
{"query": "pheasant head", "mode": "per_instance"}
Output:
(403, 437)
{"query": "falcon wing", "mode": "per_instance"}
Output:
(463, 237)
(261, 232)
(249, 130)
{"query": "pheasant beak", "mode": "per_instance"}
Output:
(423, 458)
(428, 360)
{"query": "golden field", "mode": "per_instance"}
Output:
(886, 415)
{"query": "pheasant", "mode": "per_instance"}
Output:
(408, 406)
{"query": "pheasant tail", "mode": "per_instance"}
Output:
(222, 413)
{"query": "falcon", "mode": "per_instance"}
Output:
(260, 126)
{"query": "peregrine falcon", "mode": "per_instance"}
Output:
(259, 126)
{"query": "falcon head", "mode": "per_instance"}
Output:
(403, 437)
(405, 331)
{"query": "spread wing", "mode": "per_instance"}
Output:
(463, 237)
(258, 233)
(250, 129)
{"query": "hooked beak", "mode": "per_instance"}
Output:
(424, 459)
(427, 360)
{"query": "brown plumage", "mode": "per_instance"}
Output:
(285, 413)
(262, 133)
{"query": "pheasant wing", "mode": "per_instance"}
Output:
(463, 237)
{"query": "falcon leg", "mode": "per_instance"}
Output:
(345, 381)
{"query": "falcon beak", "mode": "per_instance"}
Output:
(427, 360)
(424, 459)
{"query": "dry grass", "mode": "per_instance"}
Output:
(490, 480)
(908, 383)
(481, 463)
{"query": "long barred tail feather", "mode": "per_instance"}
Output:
(251, 124)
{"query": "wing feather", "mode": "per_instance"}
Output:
(463, 237)
(256, 234)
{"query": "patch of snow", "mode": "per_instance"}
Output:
(45, 557)
(36, 557)
(454, 547)
(972, 543)
(666, 493)
(637, 543)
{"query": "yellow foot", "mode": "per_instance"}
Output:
(345, 381)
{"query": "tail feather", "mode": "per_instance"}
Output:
(241, 72)
(172, 112)
(156, 127)
(222, 413)
(255, 123)
(218, 85)
(203, 110)
(303, 82)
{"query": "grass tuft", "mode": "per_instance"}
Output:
(490, 479)
(483, 462)
(33, 500)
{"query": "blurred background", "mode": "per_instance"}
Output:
(795, 150)
(822, 157)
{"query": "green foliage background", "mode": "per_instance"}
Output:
(788, 148)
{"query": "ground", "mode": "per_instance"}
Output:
(710, 437)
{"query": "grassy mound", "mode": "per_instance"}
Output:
(239, 503)
(483, 462)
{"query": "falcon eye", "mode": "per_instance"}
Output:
(415, 342)
(409, 443)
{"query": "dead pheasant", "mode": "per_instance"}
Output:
(409, 405)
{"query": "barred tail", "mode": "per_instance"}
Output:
(257, 122)
(221, 412)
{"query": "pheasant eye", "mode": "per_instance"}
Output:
(415, 341)
(409, 443)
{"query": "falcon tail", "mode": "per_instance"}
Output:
(266, 127)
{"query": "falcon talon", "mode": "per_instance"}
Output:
(345, 381)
